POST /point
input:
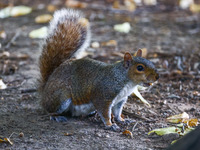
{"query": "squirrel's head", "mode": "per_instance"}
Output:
(140, 70)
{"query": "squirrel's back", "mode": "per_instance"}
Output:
(68, 34)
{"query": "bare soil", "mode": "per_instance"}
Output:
(172, 40)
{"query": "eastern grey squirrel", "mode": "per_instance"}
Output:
(81, 86)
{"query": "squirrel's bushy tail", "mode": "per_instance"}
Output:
(68, 34)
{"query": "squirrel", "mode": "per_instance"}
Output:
(81, 86)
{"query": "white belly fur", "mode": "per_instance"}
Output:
(124, 93)
(82, 110)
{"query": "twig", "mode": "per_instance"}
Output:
(134, 126)
(135, 115)
(31, 90)
(12, 40)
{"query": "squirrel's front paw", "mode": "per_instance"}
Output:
(58, 118)
(113, 127)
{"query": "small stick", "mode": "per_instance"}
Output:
(12, 40)
(134, 126)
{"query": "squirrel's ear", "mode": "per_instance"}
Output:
(127, 59)
(139, 53)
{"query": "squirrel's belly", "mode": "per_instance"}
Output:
(82, 110)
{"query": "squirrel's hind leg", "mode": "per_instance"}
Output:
(64, 107)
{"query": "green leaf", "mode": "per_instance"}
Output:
(163, 131)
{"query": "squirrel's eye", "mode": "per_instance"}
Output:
(140, 68)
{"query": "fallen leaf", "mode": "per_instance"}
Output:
(1, 141)
(174, 141)
(184, 4)
(109, 43)
(75, 4)
(68, 134)
(116, 4)
(4, 54)
(95, 45)
(115, 53)
(178, 118)
(127, 5)
(150, 2)
(51, 8)
(45, 18)
(127, 133)
(15, 11)
(2, 34)
(38, 33)
(2, 85)
(195, 8)
(191, 122)
(8, 140)
(130, 5)
(163, 131)
(196, 93)
(124, 27)
(137, 93)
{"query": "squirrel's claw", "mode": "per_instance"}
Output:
(113, 127)
(58, 118)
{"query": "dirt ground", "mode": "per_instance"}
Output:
(172, 40)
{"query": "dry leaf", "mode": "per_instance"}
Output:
(137, 93)
(178, 118)
(191, 122)
(38, 33)
(195, 8)
(196, 93)
(2, 34)
(51, 8)
(2, 85)
(95, 45)
(184, 4)
(150, 2)
(8, 140)
(1, 141)
(124, 27)
(116, 4)
(127, 133)
(118, 54)
(75, 4)
(4, 54)
(68, 134)
(43, 18)
(130, 5)
(15, 11)
(109, 43)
